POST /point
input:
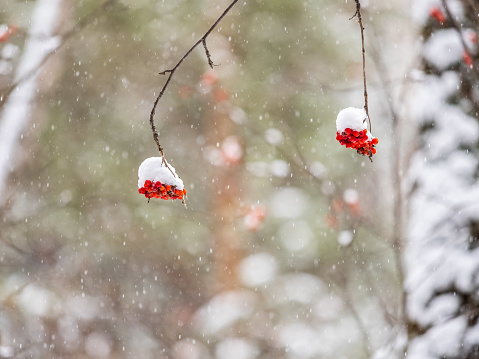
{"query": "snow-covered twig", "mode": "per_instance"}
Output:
(171, 72)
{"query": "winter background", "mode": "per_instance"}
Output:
(292, 246)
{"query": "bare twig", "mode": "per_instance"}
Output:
(360, 21)
(171, 72)
(208, 56)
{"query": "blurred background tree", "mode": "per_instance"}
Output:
(443, 233)
(290, 246)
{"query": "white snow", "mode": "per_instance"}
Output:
(259, 168)
(98, 345)
(328, 308)
(353, 118)
(443, 49)
(38, 301)
(301, 340)
(6, 351)
(303, 288)
(297, 237)
(441, 308)
(83, 307)
(238, 116)
(288, 202)
(236, 348)
(345, 238)
(279, 168)
(432, 95)
(258, 269)
(213, 155)
(6, 67)
(472, 337)
(9, 51)
(351, 196)
(224, 310)
(154, 169)
(441, 341)
(274, 136)
(452, 127)
(318, 170)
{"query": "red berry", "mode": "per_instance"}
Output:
(436, 13)
(467, 59)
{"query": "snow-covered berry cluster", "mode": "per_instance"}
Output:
(159, 190)
(158, 179)
(352, 131)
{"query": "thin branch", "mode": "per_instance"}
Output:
(208, 55)
(171, 72)
(360, 21)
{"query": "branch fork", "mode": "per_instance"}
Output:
(171, 72)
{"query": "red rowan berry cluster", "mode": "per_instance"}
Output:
(163, 191)
(357, 140)
(437, 14)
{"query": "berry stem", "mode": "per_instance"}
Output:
(171, 72)
(360, 21)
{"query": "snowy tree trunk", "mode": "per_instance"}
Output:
(442, 257)
(17, 108)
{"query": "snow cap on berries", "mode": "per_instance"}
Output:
(154, 170)
(353, 118)
(353, 133)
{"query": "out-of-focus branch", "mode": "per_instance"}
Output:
(37, 51)
(171, 72)
(64, 38)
